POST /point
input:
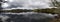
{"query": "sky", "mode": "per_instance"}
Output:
(27, 4)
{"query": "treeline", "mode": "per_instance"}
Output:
(52, 10)
(16, 10)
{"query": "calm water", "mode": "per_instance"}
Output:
(26, 17)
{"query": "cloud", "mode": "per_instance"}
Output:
(27, 3)
(4, 5)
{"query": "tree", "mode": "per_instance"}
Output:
(56, 4)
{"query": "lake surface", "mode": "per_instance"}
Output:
(26, 17)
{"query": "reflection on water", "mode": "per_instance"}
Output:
(26, 17)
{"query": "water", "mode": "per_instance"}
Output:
(26, 17)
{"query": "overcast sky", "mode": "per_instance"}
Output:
(28, 3)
